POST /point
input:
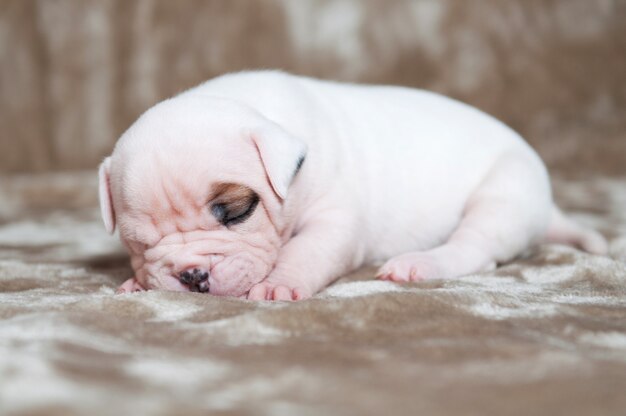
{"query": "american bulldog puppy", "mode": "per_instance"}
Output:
(269, 186)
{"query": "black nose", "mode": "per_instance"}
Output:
(197, 279)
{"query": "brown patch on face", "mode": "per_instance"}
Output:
(233, 203)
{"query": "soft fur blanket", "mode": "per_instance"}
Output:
(545, 334)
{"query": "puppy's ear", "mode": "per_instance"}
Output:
(282, 155)
(104, 192)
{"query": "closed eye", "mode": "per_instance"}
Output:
(235, 213)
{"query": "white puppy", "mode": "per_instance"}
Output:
(270, 186)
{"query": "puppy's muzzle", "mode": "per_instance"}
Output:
(197, 279)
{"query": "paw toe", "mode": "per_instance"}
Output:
(129, 286)
(258, 292)
(393, 274)
(282, 293)
(300, 294)
(411, 268)
(266, 291)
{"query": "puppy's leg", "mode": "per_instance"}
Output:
(509, 211)
(320, 252)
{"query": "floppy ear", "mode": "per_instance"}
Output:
(104, 192)
(282, 155)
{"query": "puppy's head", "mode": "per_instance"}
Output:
(197, 187)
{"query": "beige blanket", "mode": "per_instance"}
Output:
(545, 334)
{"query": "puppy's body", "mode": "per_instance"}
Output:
(433, 186)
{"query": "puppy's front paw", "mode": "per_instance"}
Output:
(268, 290)
(412, 267)
(129, 286)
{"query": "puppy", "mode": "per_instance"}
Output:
(269, 186)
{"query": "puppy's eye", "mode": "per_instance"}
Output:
(219, 212)
(235, 212)
(232, 203)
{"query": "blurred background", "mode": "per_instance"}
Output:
(74, 74)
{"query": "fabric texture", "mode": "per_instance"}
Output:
(545, 334)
